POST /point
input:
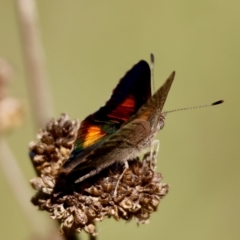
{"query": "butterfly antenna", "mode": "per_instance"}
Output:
(152, 61)
(194, 107)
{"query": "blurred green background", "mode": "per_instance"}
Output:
(88, 46)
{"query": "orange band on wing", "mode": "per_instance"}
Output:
(92, 135)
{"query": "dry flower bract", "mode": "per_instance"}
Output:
(11, 109)
(79, 206)
(11, 114)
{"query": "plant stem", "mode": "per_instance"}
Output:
(33, 53)
(17, 182)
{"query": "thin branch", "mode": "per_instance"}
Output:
(17, 182)
(37, 77)
(70, 236)
(33, 53)
(91, 237)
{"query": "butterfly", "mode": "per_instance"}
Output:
(123, 127)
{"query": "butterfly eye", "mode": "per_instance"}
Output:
(161, 122)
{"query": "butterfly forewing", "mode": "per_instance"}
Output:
(132, 91)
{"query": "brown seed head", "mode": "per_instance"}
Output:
(79, 206)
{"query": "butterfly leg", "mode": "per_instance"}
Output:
(154, 150)
(90, 174)
(126, 166)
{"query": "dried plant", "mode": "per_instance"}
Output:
(11, 110)
(79, 206)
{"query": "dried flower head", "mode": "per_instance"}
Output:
(11, 114)
(79, 206)
(54, 146)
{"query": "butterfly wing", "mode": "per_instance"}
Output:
(132, 91)
(133, 136)
(153, 107)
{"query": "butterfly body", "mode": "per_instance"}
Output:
(132, 138)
